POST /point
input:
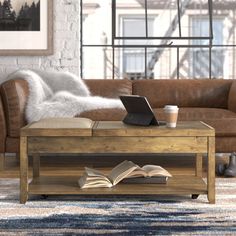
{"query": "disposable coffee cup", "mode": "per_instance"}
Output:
(171, 114)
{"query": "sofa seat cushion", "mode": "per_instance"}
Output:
(108, 114)
(224, 121)
(192, 113)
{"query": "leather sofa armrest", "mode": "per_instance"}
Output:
(14, 96)
(3, 132)
(232, 97)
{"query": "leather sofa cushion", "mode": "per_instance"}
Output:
(12, 145)
(109, 88)
(232, 97)
(197, 93)
(224, 121)
(104, 114)
(225, 144)
(194, 114)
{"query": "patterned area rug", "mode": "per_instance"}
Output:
(75, 215)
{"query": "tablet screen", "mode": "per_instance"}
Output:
(139, 110)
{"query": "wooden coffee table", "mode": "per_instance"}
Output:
(69, 136)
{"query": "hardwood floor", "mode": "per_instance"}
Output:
(74, 165)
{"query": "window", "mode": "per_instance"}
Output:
(154, 39)
(133, 60)
(200, 56)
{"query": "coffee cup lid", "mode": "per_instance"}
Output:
(171, 107)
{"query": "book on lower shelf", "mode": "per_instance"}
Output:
(146, 180)
(127, 172)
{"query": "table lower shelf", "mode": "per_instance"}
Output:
(178, 185)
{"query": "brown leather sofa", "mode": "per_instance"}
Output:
(211, 101)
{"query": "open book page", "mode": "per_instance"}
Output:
(90, 182)
(149, 171)
(94, 173)
(138, 172)
(125, 170)
(153, 170)
(94, 178)
(121, 171)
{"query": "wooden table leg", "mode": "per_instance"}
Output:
(211, 170)
(36, 165)
(2, 161)
(17, 157)
(23, 170)
(198, 167)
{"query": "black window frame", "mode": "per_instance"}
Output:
(116, 39)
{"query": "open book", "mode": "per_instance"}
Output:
(127, 169)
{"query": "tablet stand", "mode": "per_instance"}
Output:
(140, 119)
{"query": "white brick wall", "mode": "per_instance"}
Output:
(66, 44)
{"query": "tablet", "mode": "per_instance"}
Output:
(139, 111)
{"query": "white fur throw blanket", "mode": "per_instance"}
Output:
(59, 94)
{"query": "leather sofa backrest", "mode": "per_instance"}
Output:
(185, 92)
(109, 88)
(232, 97)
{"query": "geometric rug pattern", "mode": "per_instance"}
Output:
(115, 215)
